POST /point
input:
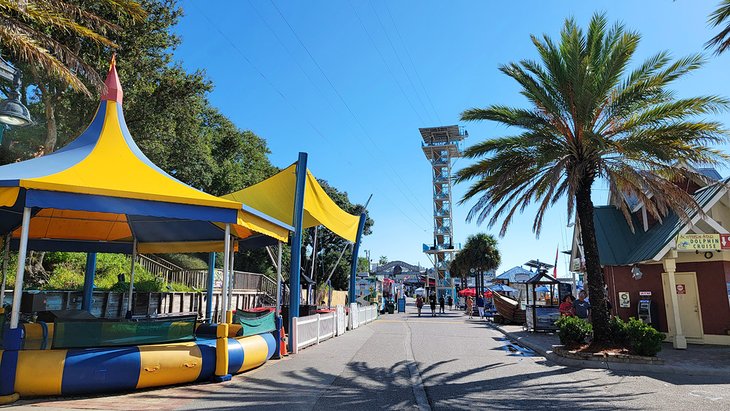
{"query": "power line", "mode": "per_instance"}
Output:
(285, 98)
(385, 63)
(349, 109)
(410, 58)
(397, 57)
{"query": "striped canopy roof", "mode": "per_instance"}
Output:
(99, 190)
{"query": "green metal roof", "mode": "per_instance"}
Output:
(617, 245)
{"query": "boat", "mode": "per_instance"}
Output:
(509, 309)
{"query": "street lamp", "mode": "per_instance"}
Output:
(12, 111)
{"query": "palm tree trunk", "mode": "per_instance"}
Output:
(594, 273)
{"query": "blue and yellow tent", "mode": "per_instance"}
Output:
(100, 192)
(275, 197)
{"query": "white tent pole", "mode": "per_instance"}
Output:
(278, 281)
(224, 284)
(6, 257)
(130, 309)
(22, 251)
(231, 278)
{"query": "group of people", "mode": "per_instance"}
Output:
(480, 303)
(570, 307)
(442, 301)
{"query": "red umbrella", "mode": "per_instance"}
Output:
(468, 292)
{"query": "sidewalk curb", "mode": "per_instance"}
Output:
(613, 366)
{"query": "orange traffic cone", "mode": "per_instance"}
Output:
(283, 341)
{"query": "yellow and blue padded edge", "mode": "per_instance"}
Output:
(250, 352)
(95, 370)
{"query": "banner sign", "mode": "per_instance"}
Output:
(699, 242)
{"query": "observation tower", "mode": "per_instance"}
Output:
(441, 145)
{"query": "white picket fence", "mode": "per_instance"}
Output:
(313, 329)
(362, 315)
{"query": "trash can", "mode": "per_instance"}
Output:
(390, 307)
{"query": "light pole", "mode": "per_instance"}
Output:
(12, 111)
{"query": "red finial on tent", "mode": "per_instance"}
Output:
(113, 86)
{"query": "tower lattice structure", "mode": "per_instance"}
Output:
(441, 145)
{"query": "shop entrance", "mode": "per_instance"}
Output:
(689, 305)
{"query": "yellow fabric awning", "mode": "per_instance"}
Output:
(275, 197)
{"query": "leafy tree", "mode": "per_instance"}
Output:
(363, 265)
(47, 35)
(590, 118)
(721, 17)
(383, 260)
(480, 253)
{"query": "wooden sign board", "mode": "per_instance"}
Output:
(698, 242)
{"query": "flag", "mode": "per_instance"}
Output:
(555, 267)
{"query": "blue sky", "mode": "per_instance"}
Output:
(350, 82)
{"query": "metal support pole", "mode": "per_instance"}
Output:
(22, 251)
(209, 290)
(295, 287)
(89, 274)
(6, 257)
(278, 280)
(355, 251)
(130, 308)
(231, 276)
(224, 284)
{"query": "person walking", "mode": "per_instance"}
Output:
(442, 303)
(432, 303)
(480, 305)
(450, 302)
(419, 304)
(469, 306)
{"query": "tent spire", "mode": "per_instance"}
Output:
(113, 85)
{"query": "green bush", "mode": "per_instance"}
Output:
(642, 338)
(617, 329)
(572, 330)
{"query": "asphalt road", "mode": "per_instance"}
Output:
(446, 362)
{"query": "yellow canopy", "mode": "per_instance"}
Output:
(275, 197)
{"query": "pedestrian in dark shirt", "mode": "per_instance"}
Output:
(450, 301)
(432, 303)
(442, 303)
(480, 306)
(581, 306)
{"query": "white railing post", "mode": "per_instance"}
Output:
(319, 328)
(294, 334)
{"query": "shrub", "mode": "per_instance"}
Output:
(617, 329)
(643, 339)
(572, 330)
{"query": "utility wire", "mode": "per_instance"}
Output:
(286, 99)
(397, 57)
(385, 63)
(352, 113)
(415, 68)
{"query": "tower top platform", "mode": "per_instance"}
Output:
(442, 135)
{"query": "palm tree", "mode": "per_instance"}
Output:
(481, 254)
(27, 30)
(718, 17)
(590, 118)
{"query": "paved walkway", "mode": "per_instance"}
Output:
(402, 361)
(708, 360)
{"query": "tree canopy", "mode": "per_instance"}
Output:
(590, 117)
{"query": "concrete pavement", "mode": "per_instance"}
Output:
(402, 361)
